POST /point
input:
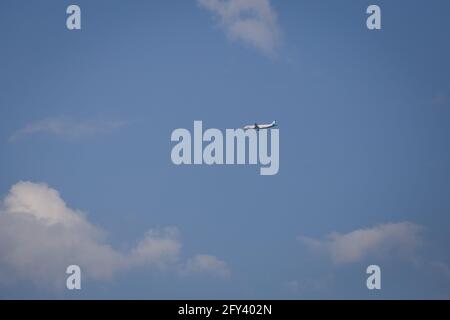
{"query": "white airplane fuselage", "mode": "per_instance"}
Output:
(261, 126)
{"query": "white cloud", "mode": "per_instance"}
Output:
(393, 238)
(203, 263)
(40, 236)
(67, 128)
(159, 247)
(252, 22)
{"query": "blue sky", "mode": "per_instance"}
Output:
(364, 130)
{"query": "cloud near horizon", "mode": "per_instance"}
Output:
(252, 22)
(402, 238)
(40, 236)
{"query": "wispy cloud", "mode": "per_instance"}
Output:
(253, 22)
(40, 236)
(441, 99)
(399, 238)
(311, 285)
(442, 268)
(203, 263)
(67, 128)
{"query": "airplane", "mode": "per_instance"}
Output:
(260, 126)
